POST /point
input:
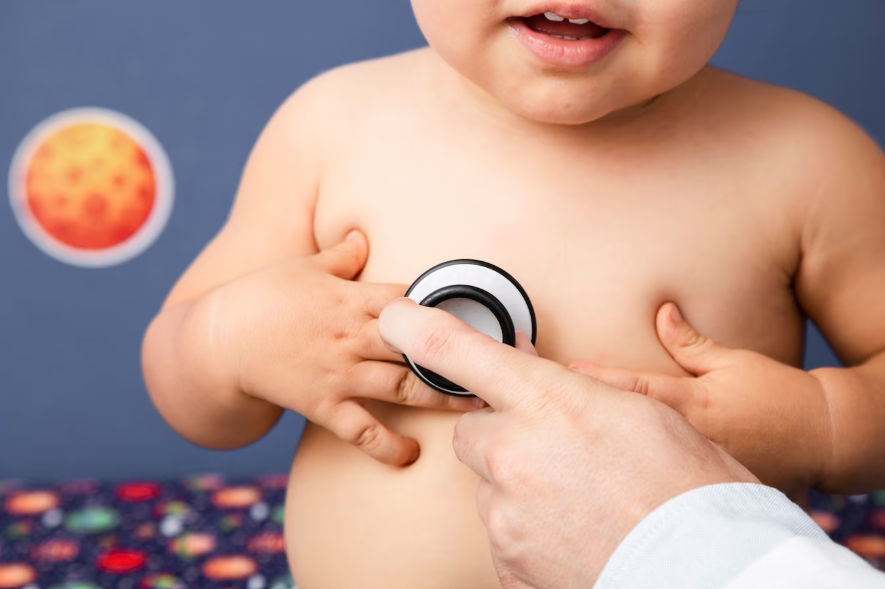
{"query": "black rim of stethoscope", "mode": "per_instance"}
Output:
(483, 297)
(479, 295)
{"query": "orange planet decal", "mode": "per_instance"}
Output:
(91, 187)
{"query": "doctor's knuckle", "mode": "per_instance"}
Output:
(502, 465)
(434, 340)
(496, 522)
(460, 434)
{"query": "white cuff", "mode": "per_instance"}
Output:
(704, 538)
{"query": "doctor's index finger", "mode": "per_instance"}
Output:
(499, 374)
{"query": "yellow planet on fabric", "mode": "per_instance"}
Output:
(91, 187)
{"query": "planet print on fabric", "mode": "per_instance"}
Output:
(192, 545)
(92, 520)
(231, 521)
(867, 545)
(56, 550)
(91, 187)
(161, 581)
(136, 492)
(31, 502)
(16, 574)
(121, 560)
(236, 497)
(266, 542)
(204, 482)
(227, 568)
(19, 529)
(826, 520)
(174, 507)
(283, 582)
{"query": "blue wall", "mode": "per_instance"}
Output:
(204, 76)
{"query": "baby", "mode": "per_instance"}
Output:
(584, 146)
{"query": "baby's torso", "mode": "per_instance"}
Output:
(599, 233)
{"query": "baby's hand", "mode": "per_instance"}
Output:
(771, 417)
(301, 334)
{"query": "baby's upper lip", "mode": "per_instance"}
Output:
(568, 9)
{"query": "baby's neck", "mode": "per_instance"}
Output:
(461, 92)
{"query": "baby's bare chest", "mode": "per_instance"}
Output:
(596, 254)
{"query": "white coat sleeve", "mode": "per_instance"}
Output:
(733, 536)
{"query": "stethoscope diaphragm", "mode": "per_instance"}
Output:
(482, 295)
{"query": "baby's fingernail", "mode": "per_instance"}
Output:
(352, 236)
(675, 315)
(415, 455)
(479, 403)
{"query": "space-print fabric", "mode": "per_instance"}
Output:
(200, 532)
(208, 532)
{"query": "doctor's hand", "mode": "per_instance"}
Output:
(568, 465)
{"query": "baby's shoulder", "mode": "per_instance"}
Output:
(805, 151)
(782, 123)
(346, 92)
(336, 106)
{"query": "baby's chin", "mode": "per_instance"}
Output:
(561, 109)
(559, 114)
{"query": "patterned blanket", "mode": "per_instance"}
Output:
(208, 532)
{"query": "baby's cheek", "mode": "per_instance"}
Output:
(685, 32)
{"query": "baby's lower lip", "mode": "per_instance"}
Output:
(563, 52)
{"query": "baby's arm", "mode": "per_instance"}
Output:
(272, 219)
(841, 285)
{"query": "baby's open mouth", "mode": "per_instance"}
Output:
(558, 27)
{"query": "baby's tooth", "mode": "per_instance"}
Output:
(553, 16)
(579, 21)
(557, 36)
(570, 38)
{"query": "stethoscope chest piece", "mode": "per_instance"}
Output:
(482, 295)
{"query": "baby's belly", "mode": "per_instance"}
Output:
(352, 522)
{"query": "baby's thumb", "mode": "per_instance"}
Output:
(524, 344)
(346, 258)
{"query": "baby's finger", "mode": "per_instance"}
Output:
(676, 391)
(376, 296)
(370, 346)
(355, 425)
(395, 383)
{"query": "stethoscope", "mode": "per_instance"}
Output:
(482, 295)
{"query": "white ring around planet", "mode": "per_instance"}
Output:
(138, 242)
